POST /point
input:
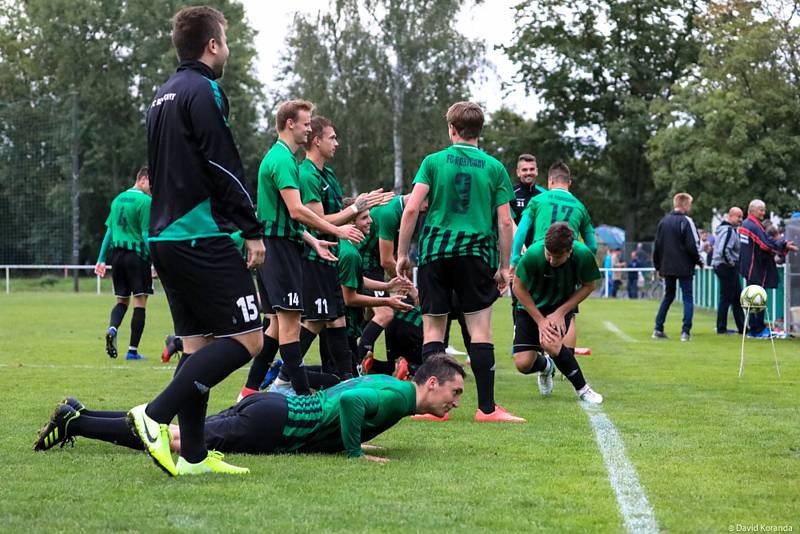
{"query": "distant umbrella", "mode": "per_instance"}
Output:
(611, 236)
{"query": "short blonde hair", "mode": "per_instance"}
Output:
(682, 200)
(289, 110)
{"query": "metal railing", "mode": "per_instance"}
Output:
(65, 268)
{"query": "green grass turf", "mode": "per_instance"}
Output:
(711, 450)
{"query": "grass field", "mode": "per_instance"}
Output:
(713, 453)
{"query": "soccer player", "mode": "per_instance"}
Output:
(403, 346)
(379, 253)
(283, 213)
(198, 200)
(465, 188)
(338, 419)
(126, 237)
(555, 205)
(552, 278)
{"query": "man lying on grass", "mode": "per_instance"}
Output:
(337, 419)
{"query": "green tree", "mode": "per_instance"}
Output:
(597, 65)
(113, 56)
(731, 132)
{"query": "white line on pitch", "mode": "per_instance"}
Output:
(133, 367)
(632, 501)
(622, 335)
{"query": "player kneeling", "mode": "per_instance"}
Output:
(552, 278)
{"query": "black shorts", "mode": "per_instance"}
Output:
(379, 276)
(322, 294)
(469, 277)
(130, 274)
(403, 339)
(526, 331)
(282, 275)
(253, 426)
(209, 289)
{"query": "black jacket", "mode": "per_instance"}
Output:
(675, 251)
(196, 175)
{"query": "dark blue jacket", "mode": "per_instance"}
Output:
(196, 175)
(757, 254)
(675, 250)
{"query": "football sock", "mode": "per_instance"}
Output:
(568, 365)
(306, 339)
(482, 358)
(207, 367)
(181, 362)
(293, 363)
(432, 347)
(372, 331)
(340, 350)
(117, 314)
(137, 327)
(111, 429)
(462, 322)
(325, 351)
(261, 363)
(539, 364)
(192, 424)
(102, 414)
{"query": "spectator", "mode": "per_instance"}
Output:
(725, 261)
(706, 246)
(617, 262)
(633, 276)
(757, 259)
(675, 256)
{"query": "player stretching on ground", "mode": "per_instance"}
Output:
(338, 419)
(282, 211)
(465, 188)
(552, 278)
(126, 243)
(198, 200)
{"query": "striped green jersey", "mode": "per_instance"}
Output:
(549, 286)
(559, 205)
(341, 418)
(278, 170)
(386, 226)
(351, 275)
(129, 220)
(412, 317)
(320, 185)
(466, 187)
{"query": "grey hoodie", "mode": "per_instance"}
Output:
(726, 245)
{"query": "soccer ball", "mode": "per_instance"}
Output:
(753, 298)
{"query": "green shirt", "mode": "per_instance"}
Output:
(128, 222)
(466, 188)
(320, 186)
(412, 317)
(559, 205)
(346, 415)
(278, 171)
(385, 225)
(351, 275)
(549, 286)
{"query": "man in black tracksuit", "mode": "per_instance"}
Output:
(675, 256)
(199, 199)
(725, 261)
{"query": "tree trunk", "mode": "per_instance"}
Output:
(398, 97)
(75, 193)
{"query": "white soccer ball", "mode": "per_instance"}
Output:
(753, 298)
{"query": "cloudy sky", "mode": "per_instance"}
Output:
(492, 21)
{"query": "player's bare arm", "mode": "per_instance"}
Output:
(301, 213)
(407, 225)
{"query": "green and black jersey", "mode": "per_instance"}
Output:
(341, 418)
(545, 209)
(466, 188)
(412, 317)
(385, 225)
(320, 185)
(278, 170)
(351, 274)
(127, 224)
(549, 286)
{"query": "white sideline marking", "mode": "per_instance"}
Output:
(632, 501)
(622, 335)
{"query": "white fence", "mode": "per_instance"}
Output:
(58, 268)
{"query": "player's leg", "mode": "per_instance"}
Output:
(141, 281)
(564, 357)
(382, 316)
(122, 292)
(200, 305)
(661, 316)
(66, 423)
(529, 357)
(137, 327)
